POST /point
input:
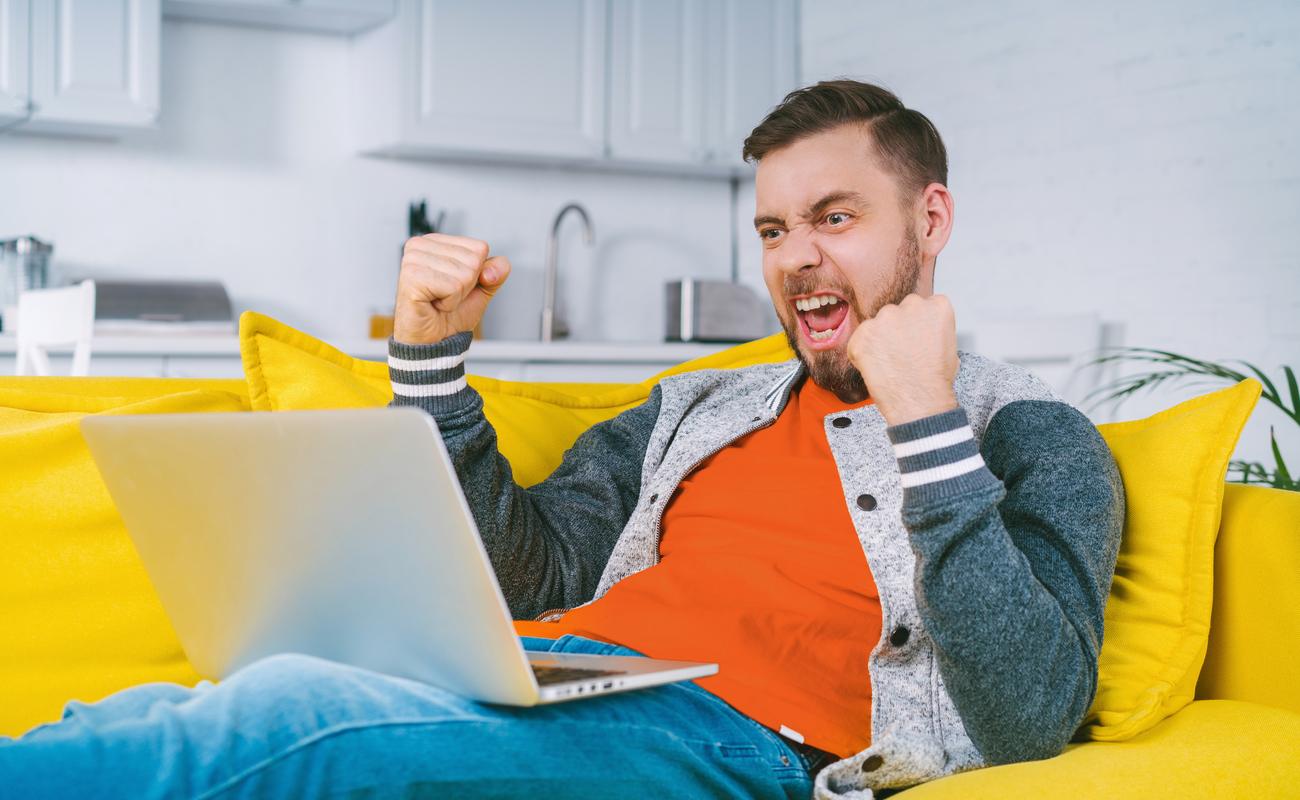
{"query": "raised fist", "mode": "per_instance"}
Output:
(444, 287)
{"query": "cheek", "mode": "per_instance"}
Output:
(860, 261)
(775, 280)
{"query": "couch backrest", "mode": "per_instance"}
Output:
(1254, 647)
(139, 388)
(1254, 641)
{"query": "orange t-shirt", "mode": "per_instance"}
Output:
(760, 571)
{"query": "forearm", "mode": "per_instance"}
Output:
(530, 569)
(548, 544)
(1012, 589)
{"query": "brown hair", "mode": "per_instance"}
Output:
(907, 144)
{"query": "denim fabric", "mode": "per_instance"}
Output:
(296, 726)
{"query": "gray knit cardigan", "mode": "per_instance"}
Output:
(991, 532)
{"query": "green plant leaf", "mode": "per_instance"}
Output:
(1270, 391)
(1295, 392)
(1173, 367)
(1250, 471)
(1282, 475)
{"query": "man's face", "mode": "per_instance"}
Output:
(833, 236)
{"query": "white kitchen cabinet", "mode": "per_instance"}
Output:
(203, 356)
(321, 16)
(587, 372)
(13, 60)
(753, 67)
(511, 78)
(658, 80)
(174, 366)
(689, 79)
(93, 65)
(110, 367)
(525, 81)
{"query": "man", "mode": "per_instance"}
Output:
(899, 554)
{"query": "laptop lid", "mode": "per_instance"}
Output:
(247, 524)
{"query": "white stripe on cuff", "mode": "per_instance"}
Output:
(933, 441)
(429, 389)
(416, 365)
(944, 472)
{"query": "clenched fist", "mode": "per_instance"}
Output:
(907, 355)
(444, 287)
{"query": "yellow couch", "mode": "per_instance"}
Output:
(78, 618)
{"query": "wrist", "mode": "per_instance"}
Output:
(902, 411)
(420, 335)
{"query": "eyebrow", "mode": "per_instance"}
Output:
(815, 210)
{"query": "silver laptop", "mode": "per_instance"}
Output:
(339, 534)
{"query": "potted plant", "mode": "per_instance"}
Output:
(1174, 367)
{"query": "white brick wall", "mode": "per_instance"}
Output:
(1136, 160)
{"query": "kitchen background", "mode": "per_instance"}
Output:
(1127, 166)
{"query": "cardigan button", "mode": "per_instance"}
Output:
(841, 422)
(866, 502)
(899, 637)
(872, 763)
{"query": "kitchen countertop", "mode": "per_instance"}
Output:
(209, 345)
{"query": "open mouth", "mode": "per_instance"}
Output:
(821, 318)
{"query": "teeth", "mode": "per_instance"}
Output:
(810, 303)
(821, 336)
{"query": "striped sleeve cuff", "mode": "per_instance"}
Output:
(938, 457)
(431, 376)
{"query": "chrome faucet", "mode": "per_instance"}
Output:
(553, 325)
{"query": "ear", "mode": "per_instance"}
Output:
(934, 221)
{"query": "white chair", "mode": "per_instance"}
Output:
(52, 318)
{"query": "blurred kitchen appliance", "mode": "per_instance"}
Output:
(162, 306)
(714, 311)
(24, 264)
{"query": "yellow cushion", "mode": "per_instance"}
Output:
(1211, 748)
(289, 370)
(1254, 650)
(132, 388)
(1158, 614)
(78, 617)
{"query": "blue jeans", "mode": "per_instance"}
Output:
(296, 726)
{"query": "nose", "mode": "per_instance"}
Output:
(798, 252)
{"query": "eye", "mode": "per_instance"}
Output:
(837, 218)
(769, 234)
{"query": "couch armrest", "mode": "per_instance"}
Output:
(1254, 647)
(1223, 748)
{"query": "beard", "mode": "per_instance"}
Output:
(831, 369)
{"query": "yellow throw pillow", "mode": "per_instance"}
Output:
(78, 616)
(1158, 614)
(288, 370)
